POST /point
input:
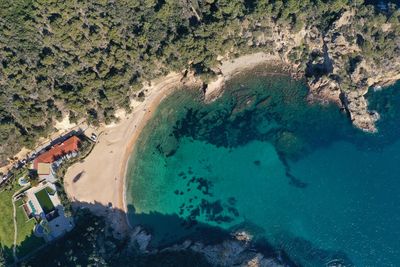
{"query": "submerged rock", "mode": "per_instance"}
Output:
(168, 147)
(140, 239)
(336, 62)
(288, 143)
(233, 252)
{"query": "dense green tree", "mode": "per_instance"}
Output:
(86, 58)
(91, 243)
(2, 259)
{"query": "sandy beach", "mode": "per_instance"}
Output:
(102, 181)
(229, 68)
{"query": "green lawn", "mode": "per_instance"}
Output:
(19, 202)
(26, 241)
(29, 245)
(44, 201)
(25, 227)
(6, 221)
(6, 215)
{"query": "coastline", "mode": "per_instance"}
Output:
(102, 181)
(100, 188)
(230, 68)
(166, 90)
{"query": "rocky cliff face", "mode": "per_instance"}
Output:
(336, 61)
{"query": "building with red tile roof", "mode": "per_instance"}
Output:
(57, 151)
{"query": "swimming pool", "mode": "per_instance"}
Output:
(32, 207)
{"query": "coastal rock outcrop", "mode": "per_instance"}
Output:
(361, 117)
(336, 61)
(214, 89)
(140, 239)
(237, 251)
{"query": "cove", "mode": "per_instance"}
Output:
(298, 177)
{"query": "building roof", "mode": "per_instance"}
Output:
(43, 168)
(68, 146)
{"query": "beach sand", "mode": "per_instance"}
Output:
(231, 67)
(102, 180)
(102, 183)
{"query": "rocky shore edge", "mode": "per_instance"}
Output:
(323, 63)
(238, 250)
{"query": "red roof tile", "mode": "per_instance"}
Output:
(69, 145)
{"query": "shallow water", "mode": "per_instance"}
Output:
(297, 177)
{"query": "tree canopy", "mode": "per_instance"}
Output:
(87, 58)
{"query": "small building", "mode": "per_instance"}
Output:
(43, 204)
(45, 171)
(46, 162)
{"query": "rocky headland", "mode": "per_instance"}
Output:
(342, 48)
(335, 62)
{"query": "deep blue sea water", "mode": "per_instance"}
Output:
(298, 177)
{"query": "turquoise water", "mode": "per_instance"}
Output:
(298, 177)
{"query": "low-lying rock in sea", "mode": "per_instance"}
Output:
(225, 254)
(140, 239)
(243, 236)
(335, 63)
(360, 115)
(260, 261)
(237, 251)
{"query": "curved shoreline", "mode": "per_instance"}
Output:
(167, 89)
(102, 182)
(229, 69)
(96, 189)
